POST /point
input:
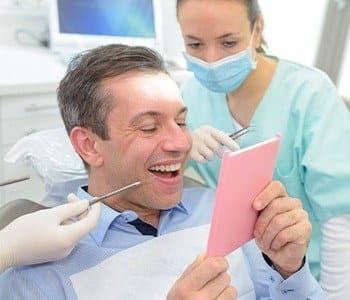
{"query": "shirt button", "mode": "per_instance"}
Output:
(272, 279)
(284, 292)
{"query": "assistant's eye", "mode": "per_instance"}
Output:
(193, 45)
(230, 44)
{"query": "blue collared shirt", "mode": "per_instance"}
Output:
(114, 233)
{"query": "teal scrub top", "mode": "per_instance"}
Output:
(302, 105)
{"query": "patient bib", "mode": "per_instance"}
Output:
(149, 270)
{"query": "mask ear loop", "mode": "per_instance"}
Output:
(254, 61)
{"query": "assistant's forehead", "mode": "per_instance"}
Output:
(222, 16)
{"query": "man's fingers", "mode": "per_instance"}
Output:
(274, 190)
(205, 271)
(230, 293)
(297, 234)
(216, 287)
(277, 223)
(197, 261)
(275, 208)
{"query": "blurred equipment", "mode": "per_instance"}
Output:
(13, 180)
(128, 22)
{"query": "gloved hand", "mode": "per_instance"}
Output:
(42, 236)
(208, 141)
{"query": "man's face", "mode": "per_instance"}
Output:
(149, 141)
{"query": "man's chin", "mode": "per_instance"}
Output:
(169, 201)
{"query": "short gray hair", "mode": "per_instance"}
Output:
(82, 100)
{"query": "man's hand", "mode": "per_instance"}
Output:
(282, 230)
(208, 142)
(204, 279)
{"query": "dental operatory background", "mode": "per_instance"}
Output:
(38, 37)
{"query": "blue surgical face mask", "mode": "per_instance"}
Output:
(224, 75)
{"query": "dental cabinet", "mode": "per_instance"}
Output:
(28, 81)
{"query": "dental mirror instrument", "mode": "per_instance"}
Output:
(19, 207)
(103, 197)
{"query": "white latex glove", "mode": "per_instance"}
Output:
(41, 236)
(208, 141)
(72, 198)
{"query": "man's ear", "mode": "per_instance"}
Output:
(86, 144)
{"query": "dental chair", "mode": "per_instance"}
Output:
(59, 167)
(16, 208)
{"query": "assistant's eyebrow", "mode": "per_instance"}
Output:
(227, 35)
(192, 37)
(135, 120)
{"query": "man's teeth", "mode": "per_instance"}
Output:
(166, 168)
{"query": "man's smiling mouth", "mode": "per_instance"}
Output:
(166, 171)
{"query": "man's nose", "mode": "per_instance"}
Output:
(177, 139)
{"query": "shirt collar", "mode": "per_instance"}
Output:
(182, 207)
(108, 215)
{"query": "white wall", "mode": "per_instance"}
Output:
(293, 28)
(172, 39)
(344, 82)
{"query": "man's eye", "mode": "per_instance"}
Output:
(148, 129)
(182, 124)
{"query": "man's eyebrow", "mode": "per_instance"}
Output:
(134, 121)
(183, 110)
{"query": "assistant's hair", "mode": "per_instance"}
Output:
(81, 97)
(254, 12)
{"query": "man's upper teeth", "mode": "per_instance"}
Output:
(166, 168)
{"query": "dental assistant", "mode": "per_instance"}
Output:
(236, 84)
(42, 236)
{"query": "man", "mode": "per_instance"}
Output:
(126, 119)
